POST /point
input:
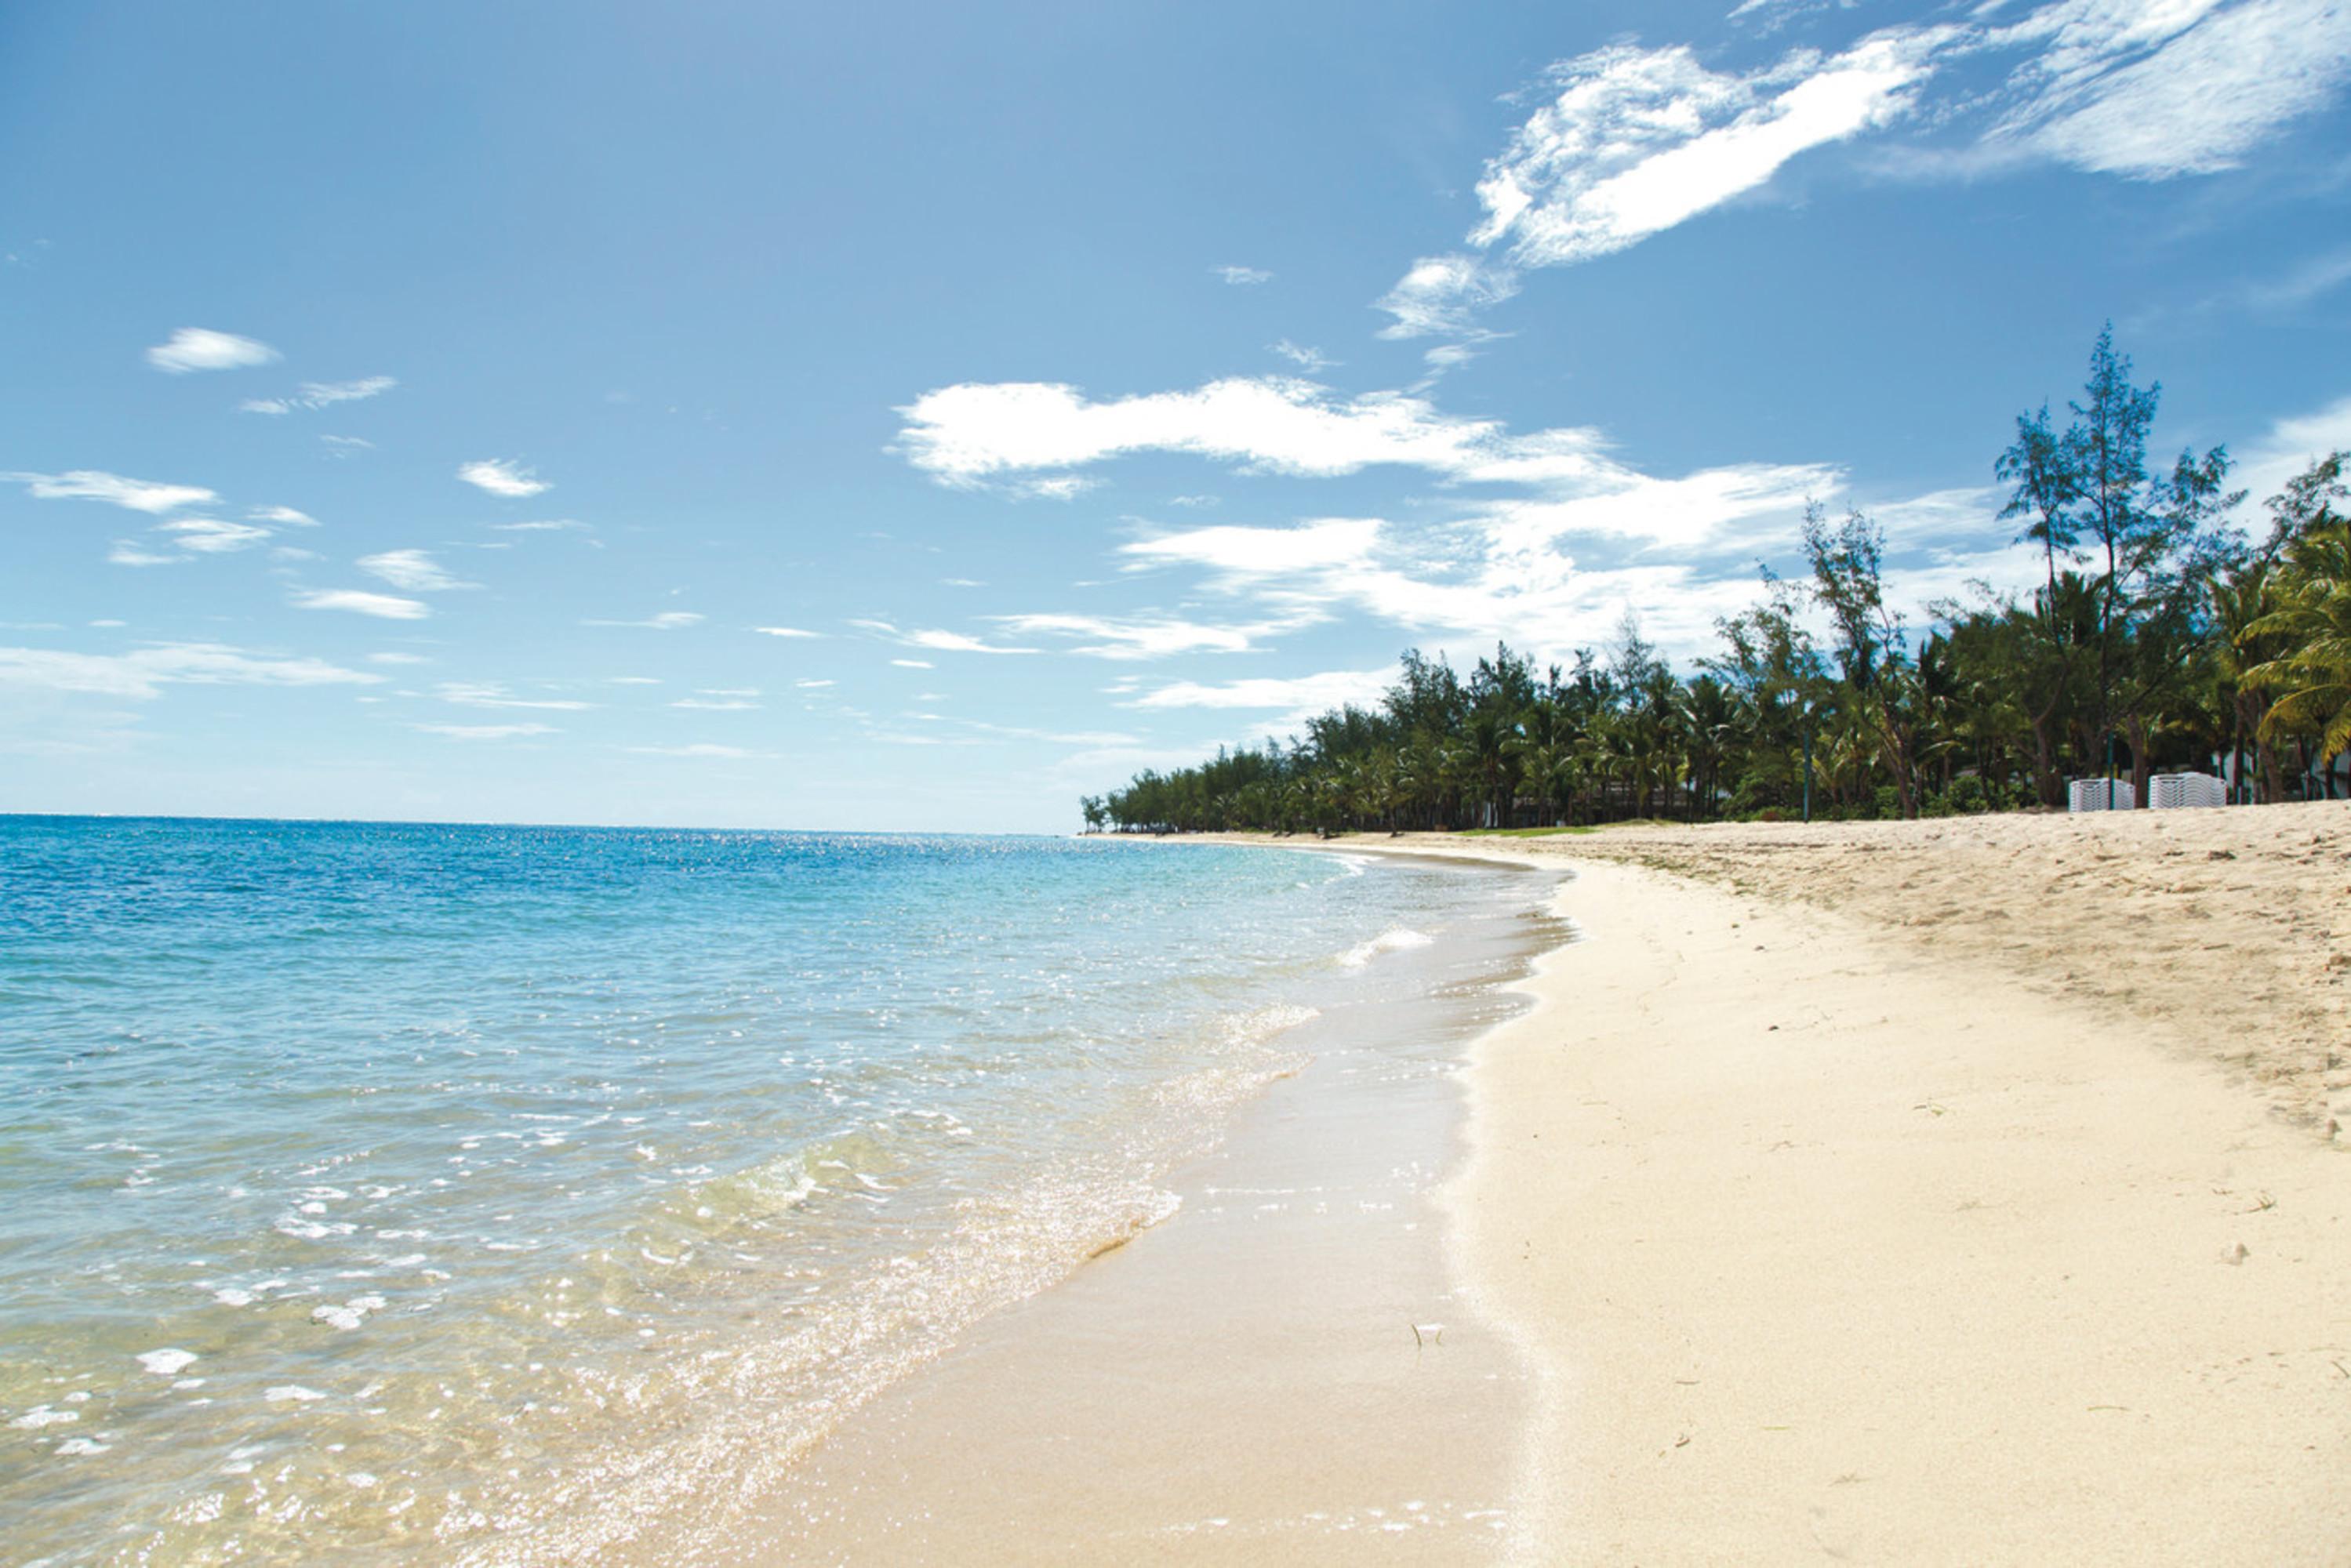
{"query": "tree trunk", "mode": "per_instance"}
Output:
(2136, 731)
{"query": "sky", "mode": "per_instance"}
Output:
(905, 416)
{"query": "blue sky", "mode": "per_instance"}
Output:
(913, 416)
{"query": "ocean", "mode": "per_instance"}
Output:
(482, 1194)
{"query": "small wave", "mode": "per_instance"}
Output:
(1393, 941)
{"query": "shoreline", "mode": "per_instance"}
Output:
(1301, 1305)
(1829, 1234)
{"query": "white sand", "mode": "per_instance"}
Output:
(1833, 1238)
(1961, 1192)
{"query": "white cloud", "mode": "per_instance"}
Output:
(544, 526)
(784, 632)
(1144, 637)
(725, 753)
(143, 674)
(1444, 294)
(93, 485)
(130, 552)
(1310, 694)
(2221, 82)
(965, 433)
(2319, 276)
(944, 641)
(320, 394)
(811, 686)
(484, 731)
(666, 620)
(200, 348)
(414, 569)
(344, 445)
(1327, 543)
(913, 664)
(1061, 487)
(1632, 141)
(1243, 276)
(1638, 140)
(210, 536)
(490, 693)
(501, 478)
(2289, 447)
(716, 705)
(359, 601)
(1310, 360)
(284, 515)
(398, 659)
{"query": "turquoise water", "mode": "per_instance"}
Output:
(486, 1193)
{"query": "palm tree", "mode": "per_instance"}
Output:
(2314, 617)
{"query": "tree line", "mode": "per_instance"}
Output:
(2162, 637)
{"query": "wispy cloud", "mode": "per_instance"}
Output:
(913, 664)
(398, 659)
(716, 705)
(200, 348)
(501, 478)
(210, 536)
(544, 526)
(414, 569)
(1330, 689)
(2183, 87)
(359, 601)
(1309, 359)
(1445, 294)
(94, 485)
(1638, 140)
(941, 641)
(143, 674)
(1243, 276)
(130, 552)
(966, 433)
(484, 731)
(1061, 487)
(320, 394)
(490, 693)
(1631, 141)
(1325, 544)
(701, 749)
(785, 631)
(1147, 637)
(287, 516)
(666, 620)
(2319, 276)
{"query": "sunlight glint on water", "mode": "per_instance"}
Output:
(457, 1189)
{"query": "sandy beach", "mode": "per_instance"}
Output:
(1959, 1191)
(1939, 1192)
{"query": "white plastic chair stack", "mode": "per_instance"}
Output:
(2101, 795)
(2171, 791)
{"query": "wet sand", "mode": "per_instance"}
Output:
(1281, 1371)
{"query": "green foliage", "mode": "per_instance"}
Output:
(2156, 639)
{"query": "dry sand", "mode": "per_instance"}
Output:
(1942, 1192)
(1954, 1192)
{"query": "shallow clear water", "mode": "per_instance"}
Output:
(489, 1193)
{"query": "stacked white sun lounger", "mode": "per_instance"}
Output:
(2101, 795)
(2166, 791)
